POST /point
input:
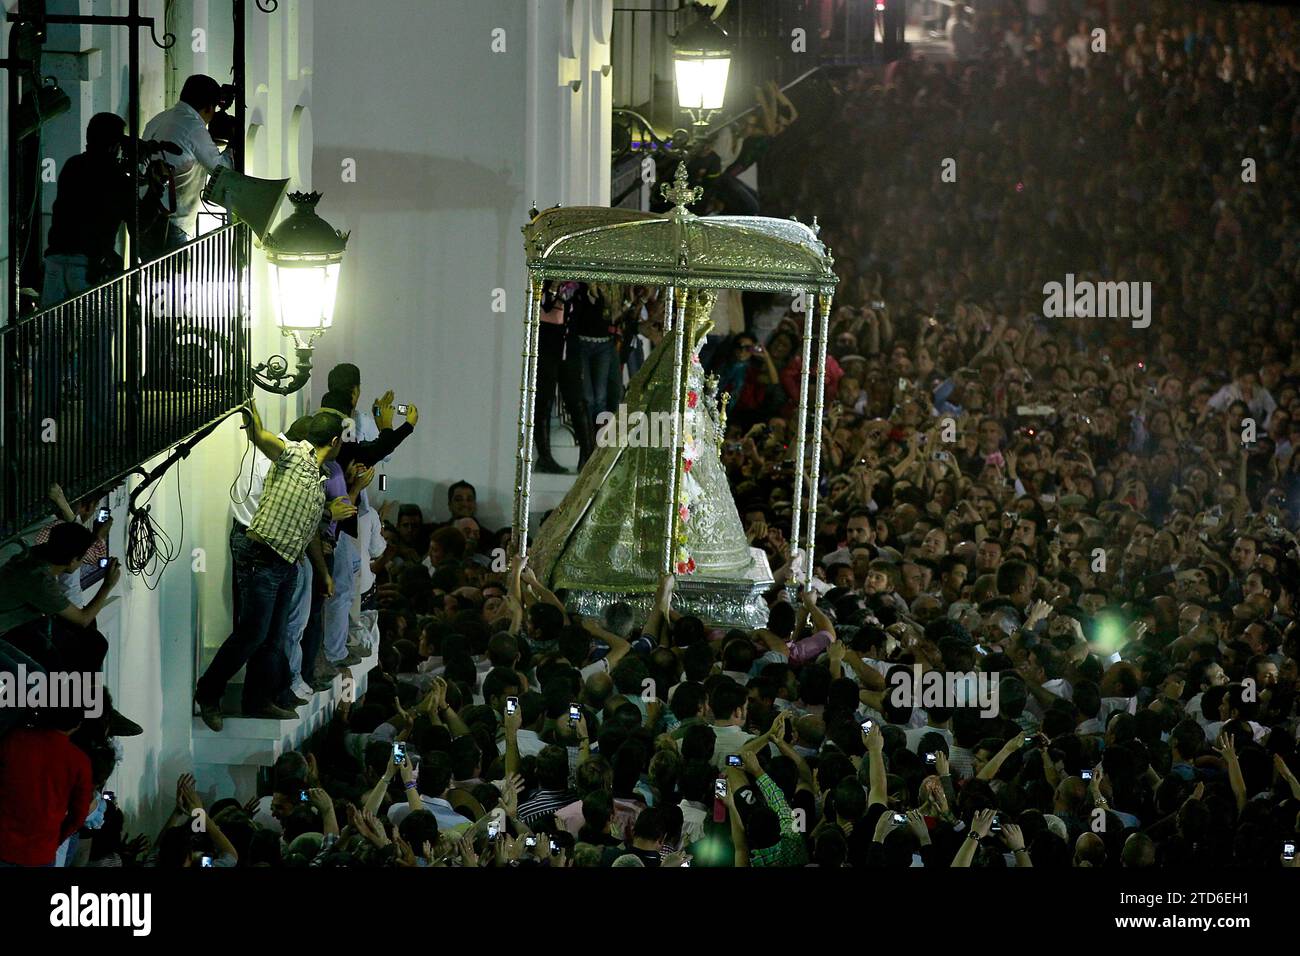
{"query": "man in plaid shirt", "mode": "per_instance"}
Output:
(291, 507)
(766, 835)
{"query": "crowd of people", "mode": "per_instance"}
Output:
(1052, 619)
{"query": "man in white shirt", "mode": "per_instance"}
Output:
(186, 125)
(730, 705)
(1078, 47)
(1245, 389)
(938, 721)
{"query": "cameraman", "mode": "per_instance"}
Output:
(186, 125)
(93, 200)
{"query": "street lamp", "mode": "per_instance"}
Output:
(701, 62)
(304, 254)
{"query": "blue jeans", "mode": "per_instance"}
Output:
(299, 611)
(595, 359)
(336, 608)
(162, 241)
(83, 362)
(65, 277)
(265, 591)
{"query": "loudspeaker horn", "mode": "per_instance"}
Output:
(252, 200)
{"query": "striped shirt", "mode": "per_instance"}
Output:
(542, 804)
(292, 502)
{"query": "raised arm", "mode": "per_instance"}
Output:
(440, 712)
(819, 619)
(654, 624)
(735, 780)
(512, 723)
(268, 444)
(61, 503)
(875, 741)
(543, 593)
(85, 616)
(618, 647)
(990, 769)
(979, 829)
(375, 797)
(1235, 777)
(188, 801)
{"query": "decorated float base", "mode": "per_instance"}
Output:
(721, 603)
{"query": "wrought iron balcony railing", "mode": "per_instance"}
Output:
(97, 385)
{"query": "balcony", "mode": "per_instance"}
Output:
(99, 384)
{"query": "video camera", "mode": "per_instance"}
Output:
(224, 128)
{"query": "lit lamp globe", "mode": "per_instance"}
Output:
(701, 63)
(304, 253)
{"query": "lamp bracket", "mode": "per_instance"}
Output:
(273, 374)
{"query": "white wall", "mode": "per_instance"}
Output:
(452, 143)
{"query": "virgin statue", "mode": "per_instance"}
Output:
(605, 542)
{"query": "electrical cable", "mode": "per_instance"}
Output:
(148, 543)
(240, 474)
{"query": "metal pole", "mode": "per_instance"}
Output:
(527, 400)
(133, 120)
(668, 309)
(15, 281)
(801, 427)
(237, 147)
(818, 403)
(679, 334)
(134, 314)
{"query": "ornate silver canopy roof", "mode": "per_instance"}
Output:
(677, 248)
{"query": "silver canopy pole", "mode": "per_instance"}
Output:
(527, 406)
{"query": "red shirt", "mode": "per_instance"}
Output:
(790, 379)
(45, 790)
